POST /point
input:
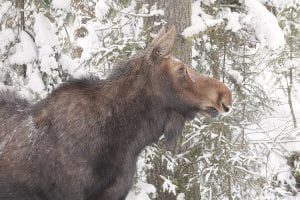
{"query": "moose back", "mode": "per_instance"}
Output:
(82, 141)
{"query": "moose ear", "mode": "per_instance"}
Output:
(158, 36)
(162, 47)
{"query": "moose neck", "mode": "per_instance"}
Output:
(121, 112)
(139, 115)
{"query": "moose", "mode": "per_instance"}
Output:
(82, 141)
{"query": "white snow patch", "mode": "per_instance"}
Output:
(156, 12)
(44, 31)
(6, 37)
(25, 50)
(71, 67)
(180, 196)
(292, 63)
(46, 40)
(199, 24)
(265, 25)
(168, 185)
(145, 190)
(35, 82)
(61, 4)
(235, 74)
(48, 63)
(279, 3)
(101, 9)
(233, 21)
(208, 2)
(5, 6)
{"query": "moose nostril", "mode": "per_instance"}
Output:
(225, 108)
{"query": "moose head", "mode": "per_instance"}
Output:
(181, 89)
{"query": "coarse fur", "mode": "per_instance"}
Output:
(82, 141)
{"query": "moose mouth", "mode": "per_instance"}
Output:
(211, 112)
(207, 112)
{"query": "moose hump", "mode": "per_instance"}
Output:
(82, 141)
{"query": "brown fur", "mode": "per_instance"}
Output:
(83, 140)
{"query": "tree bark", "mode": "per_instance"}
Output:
(178, 13)
(20, 5)
(290, 84)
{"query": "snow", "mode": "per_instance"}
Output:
(44, 31)
(208, 2)
(145, 190)
(265, 25)
(35, 82)
(259, 18)
(276, 131)
(71, 67)
(233, 21)
(6, 37)
(25, 50)
(279, 3)
(180, 196)
(5, 6)
(292, 63)
(235, 74)
(101, 9)
(168, 185)
(156, 12)
(200, 21)
(46, 41)
(61, 4)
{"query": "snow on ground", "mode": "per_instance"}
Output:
(144, 190)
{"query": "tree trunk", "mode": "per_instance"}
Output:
(178, 13)
(290, 84)
(289, 78)
(20, 5)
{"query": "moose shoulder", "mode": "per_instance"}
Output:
(83, 140)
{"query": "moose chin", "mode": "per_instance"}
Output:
(82, 141)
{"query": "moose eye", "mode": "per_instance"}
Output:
(181, 69)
